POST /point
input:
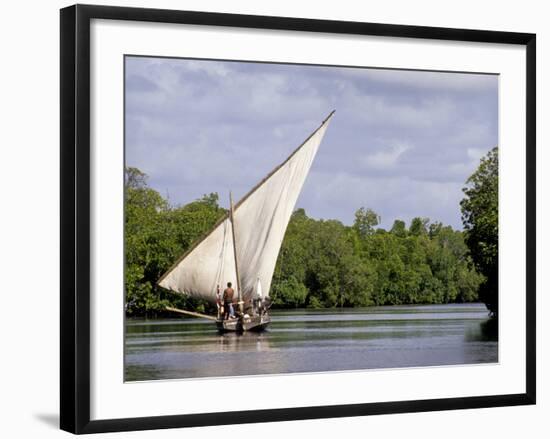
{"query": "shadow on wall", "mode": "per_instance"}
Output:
(50, 419)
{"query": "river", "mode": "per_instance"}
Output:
(307, 340)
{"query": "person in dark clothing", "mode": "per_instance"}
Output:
(228, 301)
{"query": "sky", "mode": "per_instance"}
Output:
(401, 142)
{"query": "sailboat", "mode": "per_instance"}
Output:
(243, 246)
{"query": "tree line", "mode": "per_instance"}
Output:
(324, 263)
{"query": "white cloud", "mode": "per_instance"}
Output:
(391, 197)
(475, 154)
(388, 157)
(400, 142)
(442, 81)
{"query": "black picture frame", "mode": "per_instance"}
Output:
(75, 217)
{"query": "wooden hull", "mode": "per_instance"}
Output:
(253, 323)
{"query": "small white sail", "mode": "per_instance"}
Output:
(260, 221)
(259, 288)
(206, 265)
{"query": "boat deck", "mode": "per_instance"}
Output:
(252, 323)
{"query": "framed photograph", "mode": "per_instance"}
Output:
(275, 218)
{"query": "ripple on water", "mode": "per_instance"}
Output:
(312, 341)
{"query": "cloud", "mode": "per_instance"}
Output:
(392, 197)
(401, 142)
(426, 81)
(475, 154)
(387, 158)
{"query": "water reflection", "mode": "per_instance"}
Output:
(249, 341)
(313, 340)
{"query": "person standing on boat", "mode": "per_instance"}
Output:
(228, 294)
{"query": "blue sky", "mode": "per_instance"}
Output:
(401, 142)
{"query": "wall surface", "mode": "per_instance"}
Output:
(29, 185)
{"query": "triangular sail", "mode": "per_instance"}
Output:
(260, 220)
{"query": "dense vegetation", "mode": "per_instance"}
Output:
(322, 263)
(327, 264)
(480, 218)
(156, 234)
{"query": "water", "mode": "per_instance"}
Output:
(311, 341)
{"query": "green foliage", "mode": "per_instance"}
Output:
(156, 234)
(289, 292)
(480, 219)
(322, 263)
(399, 228)
(419, 226)
(365, 221)
(360, 266)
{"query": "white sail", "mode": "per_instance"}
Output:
(205, 266)
(260, 221)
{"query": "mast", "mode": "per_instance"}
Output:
(263, 215)
(239, 295)
(241, 201)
